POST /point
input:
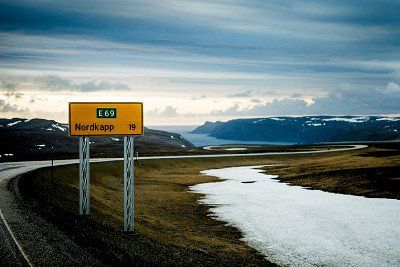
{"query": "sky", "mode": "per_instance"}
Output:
(192, 61)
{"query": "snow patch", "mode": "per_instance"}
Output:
(183, 145)
(388, 119)
(13, 123)
(352, 120)
(56, 126)
(293, 226)
(258, 120)
(114, 139)
(277, 119)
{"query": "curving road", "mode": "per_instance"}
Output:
(12, 253)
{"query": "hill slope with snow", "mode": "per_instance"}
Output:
(33, 139)
(309, 129)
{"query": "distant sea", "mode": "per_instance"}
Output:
(200, 140)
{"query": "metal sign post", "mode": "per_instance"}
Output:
(52, 164)
(128, 183)
(106, 119)
(84, 176)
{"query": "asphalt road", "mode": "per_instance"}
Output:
(12, 252)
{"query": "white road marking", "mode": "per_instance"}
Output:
(15, 240)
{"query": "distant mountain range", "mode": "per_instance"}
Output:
(305, 130)
(33, 139)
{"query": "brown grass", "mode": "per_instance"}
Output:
(374, 172)
(171, 227)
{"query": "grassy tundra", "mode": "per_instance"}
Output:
(170, 226)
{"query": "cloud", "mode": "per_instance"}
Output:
(9, 85)
(232, 111)
(287, 106)
(296, 95)
(169, 111)
(242, 94)
(59, 83)
(346, 99)
(12, 94)
(256, 100)
(199, 97)
(395, 74)
(350, 99)
(8, 108)
(269, 93)
(213, 47)
(34, 98)
(392, 88)
(9, 88)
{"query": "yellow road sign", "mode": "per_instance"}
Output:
(105, 118)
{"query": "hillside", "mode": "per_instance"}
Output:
(305, 130)
(33, 139)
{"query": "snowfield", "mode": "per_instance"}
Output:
(277, 119)
(13, 123)
(294, 226)
(388, 119)
(258, 120)
(56, 126)
(353, 120)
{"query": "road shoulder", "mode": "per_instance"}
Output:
(42, 242)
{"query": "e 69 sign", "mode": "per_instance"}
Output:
(106, 113)
(105, 118)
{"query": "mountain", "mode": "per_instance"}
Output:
(33, 139)
(207, 128)
(305, 130)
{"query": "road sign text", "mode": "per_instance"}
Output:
(105, 118)
(94, 127)
(106, 113)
